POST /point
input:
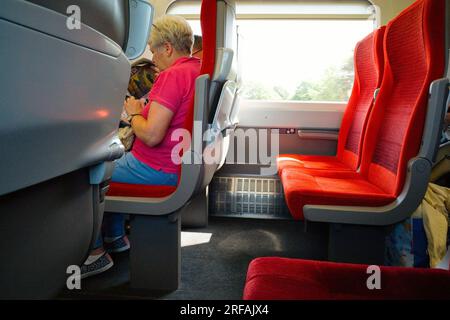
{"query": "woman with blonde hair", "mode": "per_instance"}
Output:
(149, 161)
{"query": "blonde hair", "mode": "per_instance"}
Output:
(175, 30)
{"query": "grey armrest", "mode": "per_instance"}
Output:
(417, 176)
(191, 172)
(437, 109)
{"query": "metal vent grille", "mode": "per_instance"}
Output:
(247, 197)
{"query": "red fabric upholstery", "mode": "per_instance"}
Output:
(208, 20)
(368, 60)
(414, 57)
(310, 162)
(321, 190)
(369, 65)
(208, 17)
(136, 190)
(294, 279)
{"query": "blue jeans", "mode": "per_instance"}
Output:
(128, 169)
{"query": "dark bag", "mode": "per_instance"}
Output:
(143, 75)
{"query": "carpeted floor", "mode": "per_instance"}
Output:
(215, 259)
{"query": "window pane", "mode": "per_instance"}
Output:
(292, 58)
(307, 60)
(195, 25)
(305, 7)
(280, 8)
(185, 8)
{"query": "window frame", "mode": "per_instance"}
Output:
(290, 104)
(312, 16)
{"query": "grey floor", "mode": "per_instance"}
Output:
(215, 259)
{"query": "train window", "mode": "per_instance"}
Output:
(295, 51)
(190, 10)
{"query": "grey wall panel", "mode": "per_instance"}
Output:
(291, 143)
(60, 105)
(288, 143)
(291, 114)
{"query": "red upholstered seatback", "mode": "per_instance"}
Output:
(208, 18)
(368, 62)
(414, 57)
(208, 21)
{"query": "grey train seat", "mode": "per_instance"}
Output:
(59, 133)
(157, 212)
(219, 61)
(222, 108)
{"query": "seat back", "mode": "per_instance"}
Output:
(414, 57)
(62, 93)
(208, 21)
(369, 64)
(223, 22)
(216, 66)
(219, 47)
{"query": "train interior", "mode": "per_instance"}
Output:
(318, 152)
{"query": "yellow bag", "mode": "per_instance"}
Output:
(126, 136)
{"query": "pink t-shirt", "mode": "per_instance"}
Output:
(174, 89)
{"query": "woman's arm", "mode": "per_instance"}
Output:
(153, 130)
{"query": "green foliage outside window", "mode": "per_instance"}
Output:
(334, 85)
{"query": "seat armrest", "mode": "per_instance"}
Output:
(434, 122)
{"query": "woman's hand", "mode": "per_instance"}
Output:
(133, 106)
